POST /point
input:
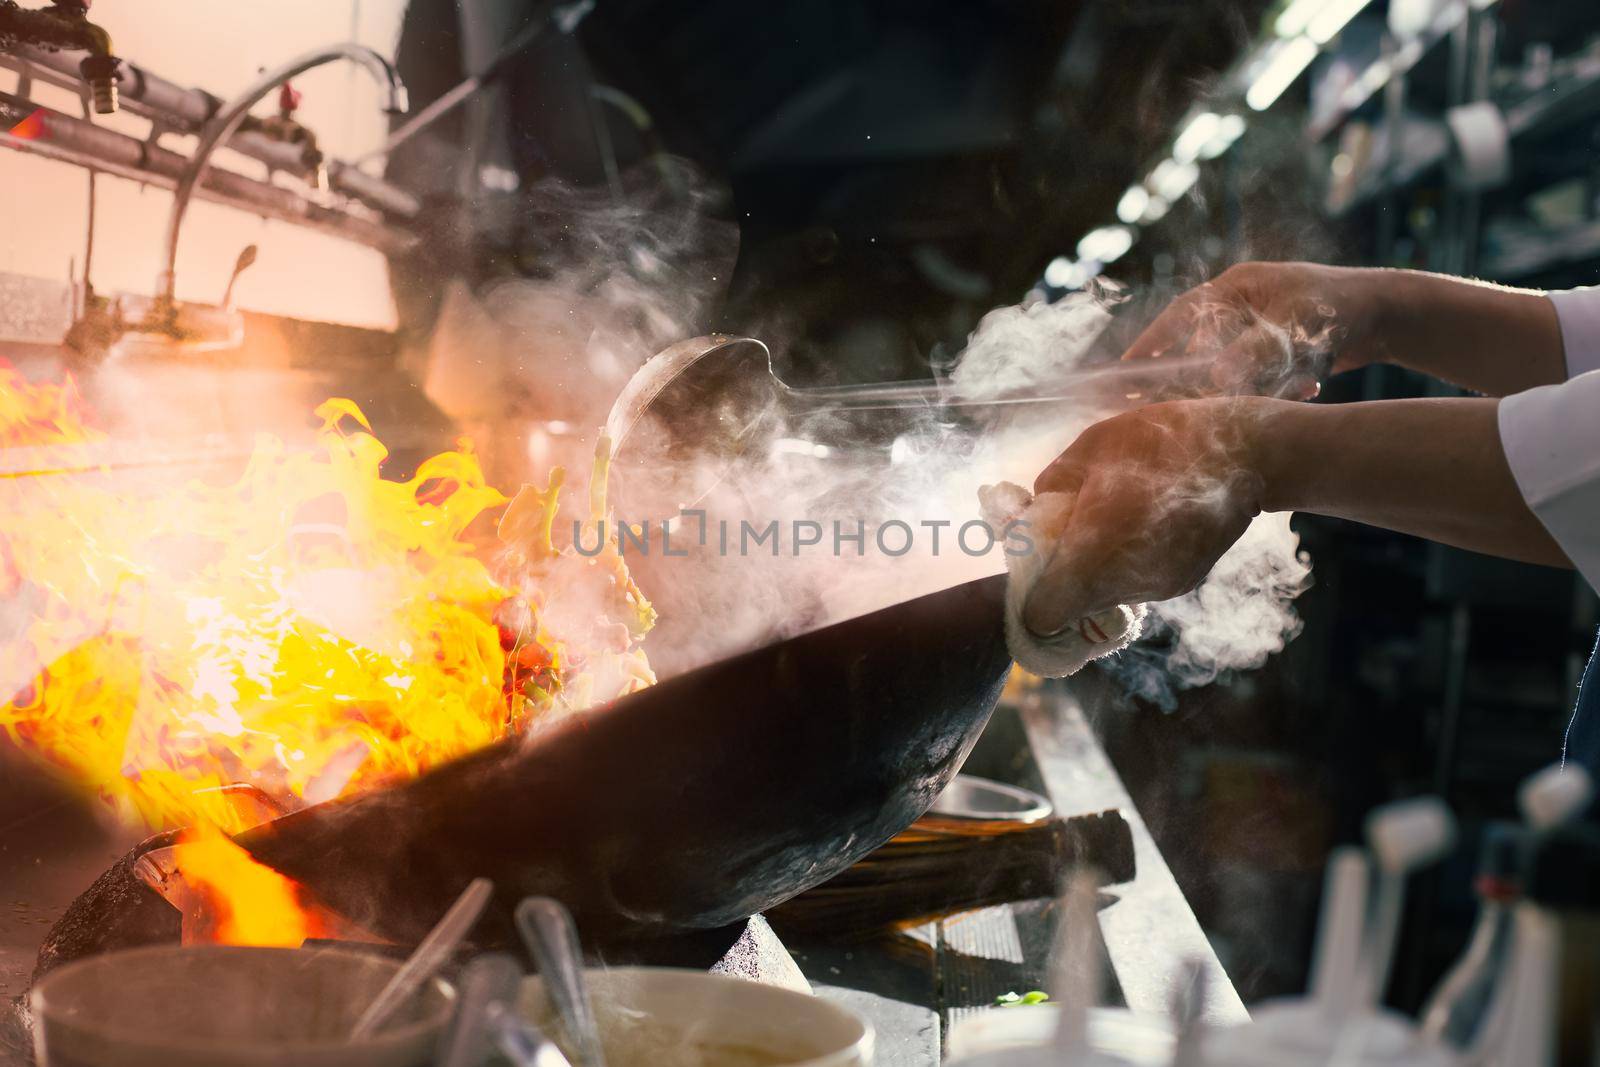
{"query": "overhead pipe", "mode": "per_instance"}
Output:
(55, 135)
(189, 110)
(233, 114)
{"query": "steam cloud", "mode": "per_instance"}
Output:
(1029, 346)
(1241, 614)
(595, 284)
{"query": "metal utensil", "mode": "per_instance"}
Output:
(429, 956)
(491, 979)
(676, 384)
(547, 929)
(524, 1044)
(695, 408)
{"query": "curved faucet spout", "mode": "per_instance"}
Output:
(232, 115)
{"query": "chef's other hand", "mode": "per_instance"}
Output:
(1276, 329)
(1161, 494)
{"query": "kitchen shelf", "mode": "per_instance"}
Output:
(1570, 98)
(1423, 158)
(1567, 248)
(1381, 71)
(1573, 95)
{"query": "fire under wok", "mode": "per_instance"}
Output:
(686, 806)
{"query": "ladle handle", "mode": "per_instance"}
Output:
(550, 934)
(1139, 376)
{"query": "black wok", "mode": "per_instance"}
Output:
(689, 805)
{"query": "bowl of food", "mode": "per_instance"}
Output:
(229, 1006)
(666, 1017)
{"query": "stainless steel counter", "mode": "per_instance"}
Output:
(1150, 930)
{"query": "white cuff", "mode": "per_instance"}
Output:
(1551, 438)
(1578, 311)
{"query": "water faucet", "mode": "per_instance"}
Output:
(228, 120)
(65, 24)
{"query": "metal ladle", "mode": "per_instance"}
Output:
(686, 416)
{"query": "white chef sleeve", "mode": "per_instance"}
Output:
(1579, 313)
(1551, 437)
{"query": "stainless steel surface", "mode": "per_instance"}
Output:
(522, 1043)
(188, 110)
(552, 938)
(681, 377)
(971, 797)
(1150, 932)
(83, 144)
(228, 120)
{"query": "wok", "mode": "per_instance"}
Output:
(689, 805)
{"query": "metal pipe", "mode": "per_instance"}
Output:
(188, 110)
(233, 114)
(71, 140)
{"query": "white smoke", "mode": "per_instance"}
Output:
(1029, 346)
(1238, 617)
(590, 285)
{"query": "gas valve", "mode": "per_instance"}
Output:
(100, 74)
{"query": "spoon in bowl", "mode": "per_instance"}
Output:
(547, 929)
(429, 956)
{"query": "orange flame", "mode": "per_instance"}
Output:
(237, 901)
(308, 630)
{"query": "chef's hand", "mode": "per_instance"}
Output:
(1162, 492)
(1276, 329)
(1279, 329)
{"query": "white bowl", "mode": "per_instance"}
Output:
(651, 1016)
(1023, 1035)
(228, 1006)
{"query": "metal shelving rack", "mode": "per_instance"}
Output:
(1503, 643)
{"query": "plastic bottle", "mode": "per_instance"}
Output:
(1454, 1013)
(1341, 1021)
